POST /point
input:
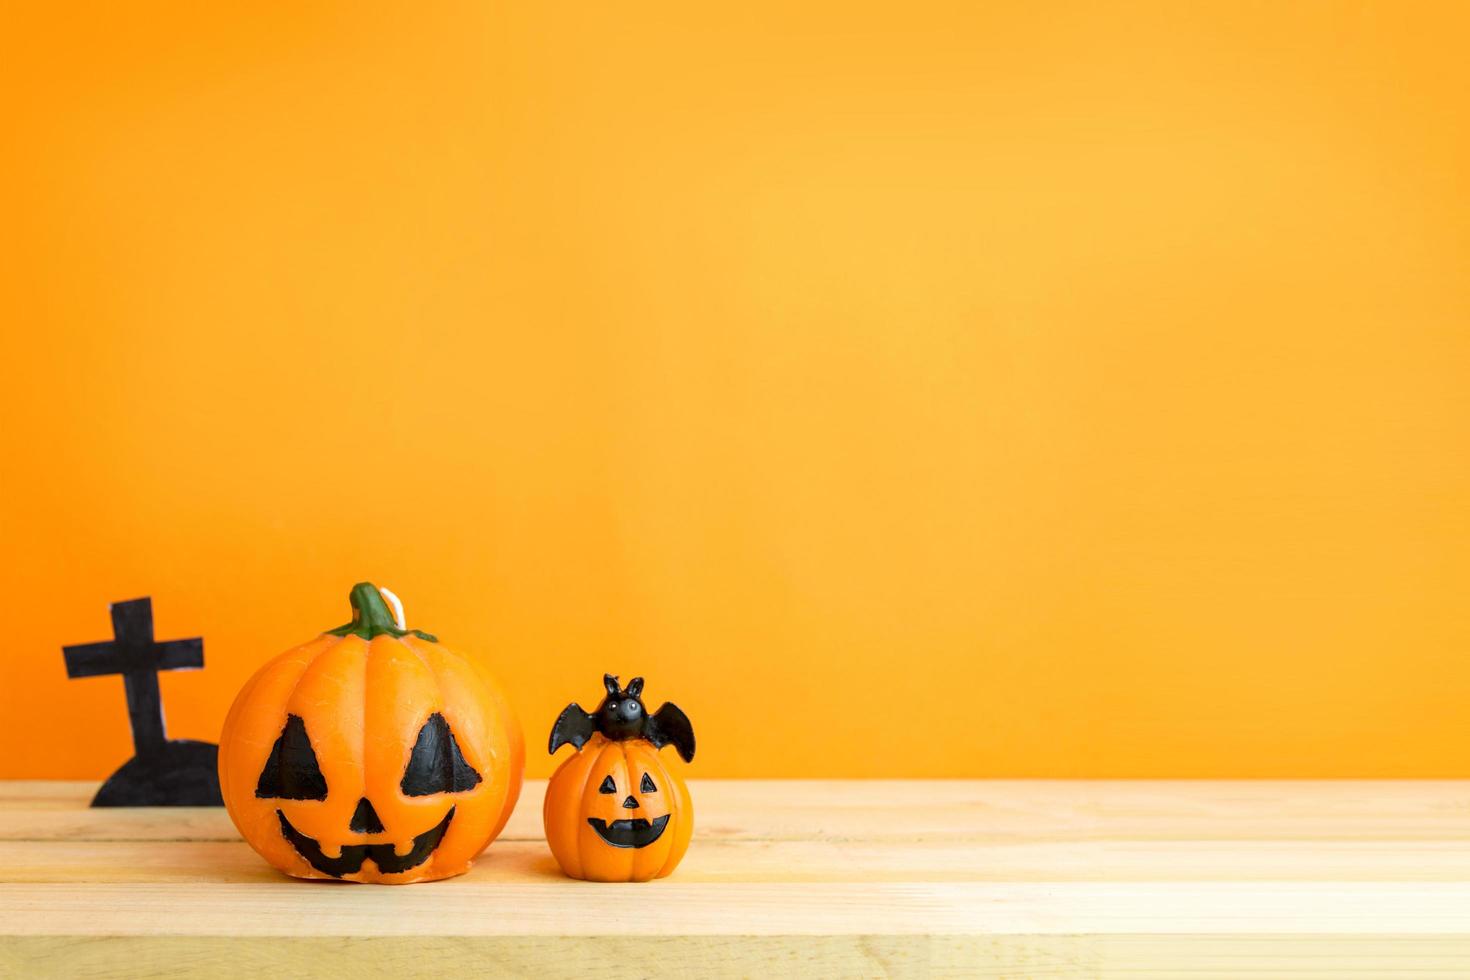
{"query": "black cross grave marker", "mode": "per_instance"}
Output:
(164, 772)
(136, 656)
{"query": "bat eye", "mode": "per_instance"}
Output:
(607, 785)
(647, 785)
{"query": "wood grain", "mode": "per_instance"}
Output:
(1006, 878)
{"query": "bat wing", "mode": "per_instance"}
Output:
(670, 726)
(572, 725)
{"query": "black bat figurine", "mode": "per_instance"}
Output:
(622, 716)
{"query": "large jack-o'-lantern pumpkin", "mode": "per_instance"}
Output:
(371, 754)
(614, 811)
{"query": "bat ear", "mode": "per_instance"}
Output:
(611, 683)
(635, 687)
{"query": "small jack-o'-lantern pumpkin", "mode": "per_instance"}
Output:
(370, 754)
(614, 811)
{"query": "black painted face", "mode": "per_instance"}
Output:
(634, 831)
(621, 714)
(620, 717)
(435, 765)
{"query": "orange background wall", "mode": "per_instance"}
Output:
(907, 389)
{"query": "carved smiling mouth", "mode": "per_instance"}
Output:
(353, 855)
(629, 833)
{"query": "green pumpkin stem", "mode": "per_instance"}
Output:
(371, 616)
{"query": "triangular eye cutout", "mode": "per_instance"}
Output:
(608, 786)
(291, 772)
(436, 764)
(646, 786)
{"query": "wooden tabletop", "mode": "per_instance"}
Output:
(882, 878)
